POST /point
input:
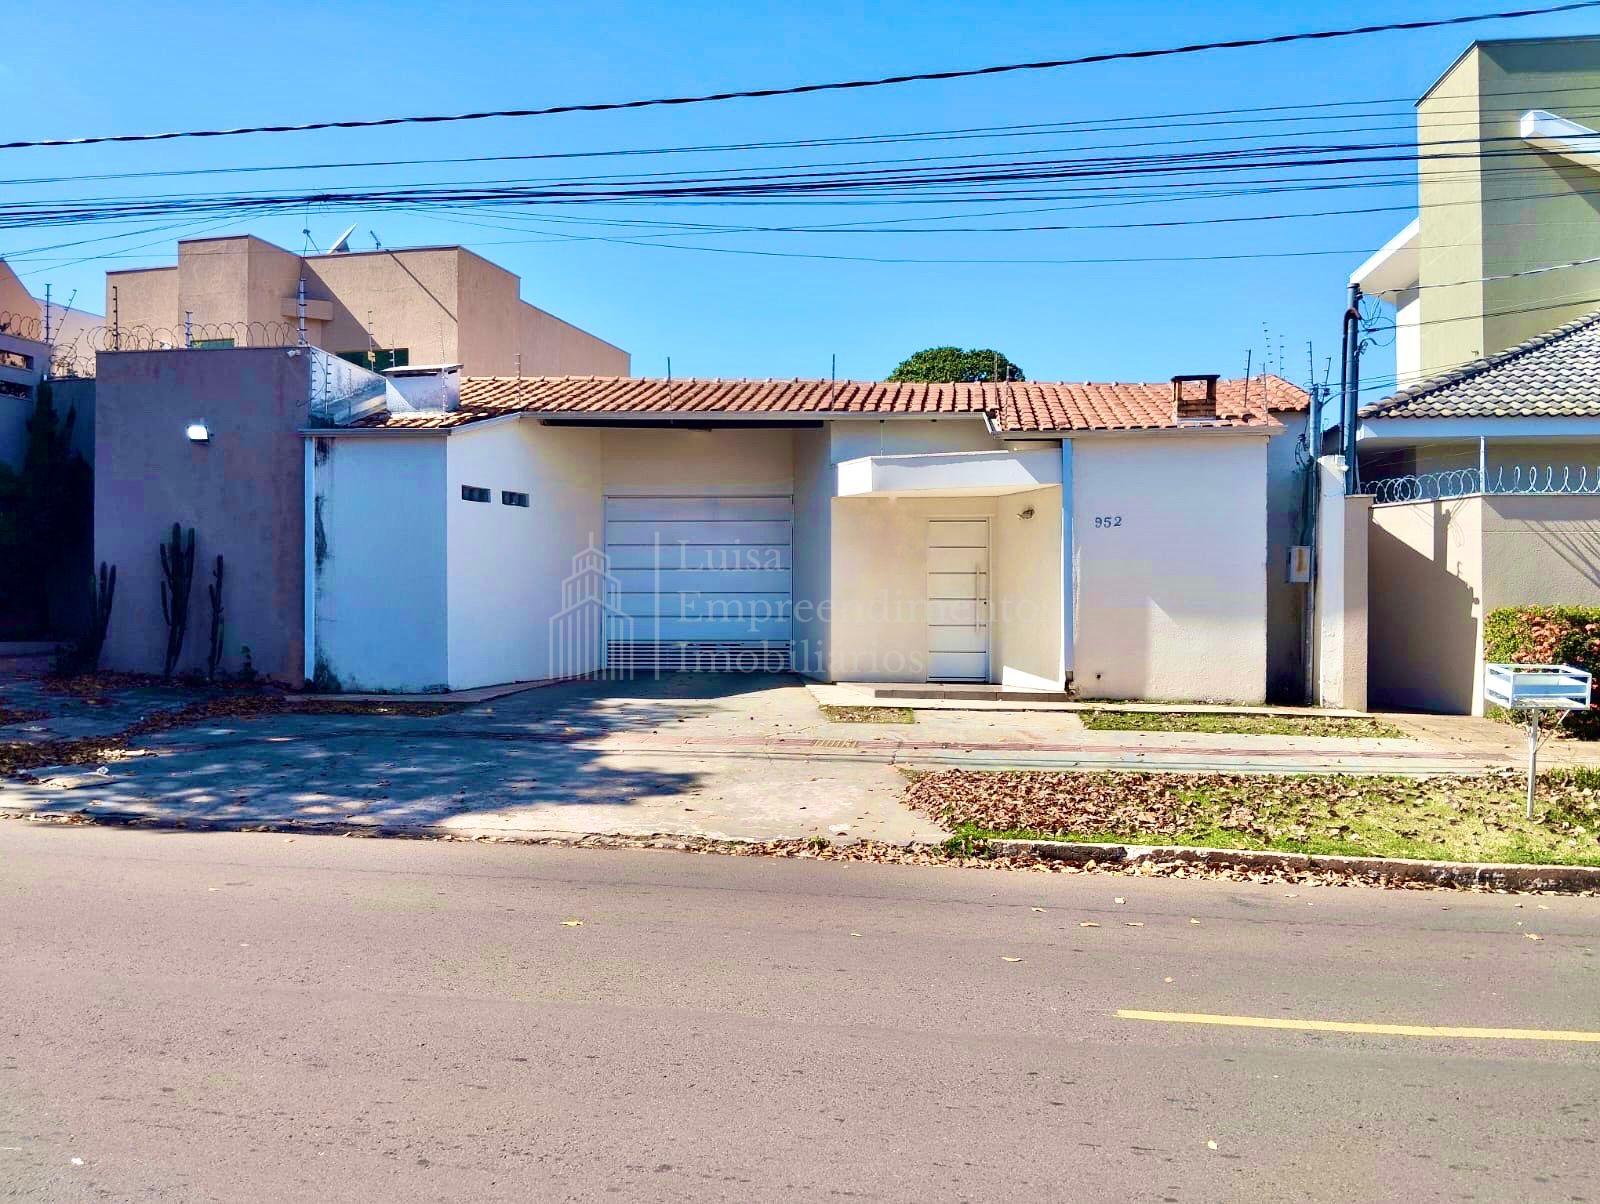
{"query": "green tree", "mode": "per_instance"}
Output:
(45, 509)
(953, 364)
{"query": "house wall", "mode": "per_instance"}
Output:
(879, 619)
(1341, 602)
(18, 310)
(76, 395)
(813, 551)
(1481, 220)
(379, 564)
(1438, 569)
(1425, 606)
(144, 297)
(1286, 602)
(16, 410)
(673, 460)
(1541, 551)
(1171, 601)
(1026, 609)
(243, 492)
(442, 304)
(412, 299)
(506, 564)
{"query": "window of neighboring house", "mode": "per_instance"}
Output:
(211, 344)
(474, 493)
(378, 358)
(16, 359)
(508, 498)
(9, 388)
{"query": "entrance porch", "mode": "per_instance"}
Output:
(948, 568)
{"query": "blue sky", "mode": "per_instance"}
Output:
(732, 312)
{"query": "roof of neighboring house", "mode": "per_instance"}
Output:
(1023, 407)
(1556, 374)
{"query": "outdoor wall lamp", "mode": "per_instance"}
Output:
(198, 433)
(1025, 515)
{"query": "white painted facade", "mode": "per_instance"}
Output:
(422, 587)
(1170, 542)
(376, 564)
(507, 562)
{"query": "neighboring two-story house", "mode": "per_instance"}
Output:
(381, 309)
(1483, 459)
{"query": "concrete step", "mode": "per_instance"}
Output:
(973, 693)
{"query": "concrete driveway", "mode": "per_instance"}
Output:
(744, 757)
(735, 756)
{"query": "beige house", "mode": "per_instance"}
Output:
(1506, 186)
(381, 308)
(1478, 483)
(23, 315)
(1519, 525)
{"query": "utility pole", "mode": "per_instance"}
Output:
(1350, 382)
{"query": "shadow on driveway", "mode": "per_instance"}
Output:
(549, 760)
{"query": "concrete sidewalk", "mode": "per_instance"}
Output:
(744, 758)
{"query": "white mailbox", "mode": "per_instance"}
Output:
(1537, 687)
(1532, 689)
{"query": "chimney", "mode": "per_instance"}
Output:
(1191, 404)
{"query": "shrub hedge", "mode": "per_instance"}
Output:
(1548, 635)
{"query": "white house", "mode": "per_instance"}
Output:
(1114, 537)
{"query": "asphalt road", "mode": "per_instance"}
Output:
(255, 1017)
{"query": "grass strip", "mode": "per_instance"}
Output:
(1364, 728)
(1472, 819)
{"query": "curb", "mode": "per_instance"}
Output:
(1387, 870)
(1377, 871)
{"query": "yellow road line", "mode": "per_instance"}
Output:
(1343, 1026)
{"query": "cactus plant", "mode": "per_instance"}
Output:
(102, 593)
(177, 573)
(214, 592)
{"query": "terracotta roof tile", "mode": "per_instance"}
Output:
(1023, 407)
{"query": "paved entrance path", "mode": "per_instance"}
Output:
(737, 757)
(236, 1016)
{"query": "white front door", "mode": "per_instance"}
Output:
(958, 599)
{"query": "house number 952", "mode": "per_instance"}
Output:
(1108, 520)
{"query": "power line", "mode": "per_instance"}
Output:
(835, 86)
(1301, 114)
(941, 182)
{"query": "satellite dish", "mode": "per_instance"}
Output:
(342, 243)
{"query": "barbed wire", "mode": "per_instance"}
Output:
(70, 367)
(75, 356)
(1530, 479)
(24, 326)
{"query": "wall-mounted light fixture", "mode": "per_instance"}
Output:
(1025, 515)
(198, 432)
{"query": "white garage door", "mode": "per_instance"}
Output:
(706, 582)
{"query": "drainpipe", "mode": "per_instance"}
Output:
(1068, 589)
(1312, 498)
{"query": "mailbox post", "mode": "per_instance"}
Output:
(1532, 689)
